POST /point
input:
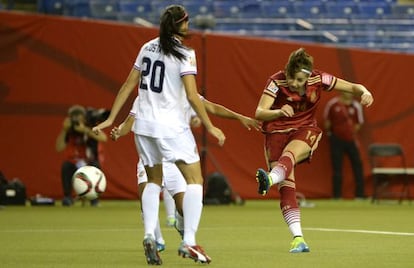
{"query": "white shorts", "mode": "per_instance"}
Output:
(155, 151)
(172, 179)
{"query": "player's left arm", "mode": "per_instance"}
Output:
(220, 110)
(356, 89)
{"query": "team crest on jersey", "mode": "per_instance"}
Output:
(272, 87)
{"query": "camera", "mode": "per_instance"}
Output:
(96, 116)
(74, 122)
(90, 117)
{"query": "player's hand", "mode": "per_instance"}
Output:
(287, 110)
(115, 133)
(250, 123)
(101, 126)
(216, 132)
(367, 99)
(195, 121)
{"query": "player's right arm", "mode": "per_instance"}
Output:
(265, 113)
(129, 85)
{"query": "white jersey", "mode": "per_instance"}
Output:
(162, 103)
(189, 113)
(133, 113)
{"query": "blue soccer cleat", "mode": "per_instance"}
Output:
(264, 181)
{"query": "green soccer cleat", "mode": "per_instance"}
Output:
(264, 181)
(299, 245)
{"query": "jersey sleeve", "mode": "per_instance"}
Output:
(328, 81)
(138, 60)
(271, 88)
(189, 63)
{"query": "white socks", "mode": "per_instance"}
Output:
(296, 229)
(277, 174)
(158, 234)
(192, 208)
(150, 206)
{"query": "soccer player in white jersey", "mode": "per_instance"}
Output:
(165, 70)
(173, 181)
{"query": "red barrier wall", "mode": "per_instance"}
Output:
(49, 63)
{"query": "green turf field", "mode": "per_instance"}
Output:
(339, 233)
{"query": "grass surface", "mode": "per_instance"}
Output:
(339, 233)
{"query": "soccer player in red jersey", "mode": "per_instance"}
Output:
(287, 108)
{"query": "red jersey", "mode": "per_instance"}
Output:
(304, 106)
(343, 118)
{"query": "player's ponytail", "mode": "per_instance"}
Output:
(170, 23)
(299, 61)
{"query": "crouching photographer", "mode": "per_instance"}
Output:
(79, 144)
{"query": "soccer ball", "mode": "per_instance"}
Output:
(89, 182)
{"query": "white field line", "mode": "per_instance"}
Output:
(358, 231)
(57, 230)
(138, 229)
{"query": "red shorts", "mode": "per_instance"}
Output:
(276, 142)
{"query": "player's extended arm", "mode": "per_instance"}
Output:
(220, 110)
(129, 85)
(357, 90)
